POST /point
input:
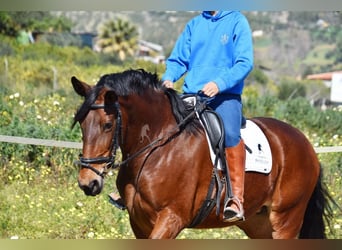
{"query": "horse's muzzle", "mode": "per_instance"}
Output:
(92, 188)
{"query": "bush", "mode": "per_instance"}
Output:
(6, 46)
(62, 39)
(290, 89)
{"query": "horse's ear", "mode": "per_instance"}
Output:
(80, 87)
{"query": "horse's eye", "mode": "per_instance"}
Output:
(107, 126)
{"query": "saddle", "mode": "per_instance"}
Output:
(211, 122)
(213, 126)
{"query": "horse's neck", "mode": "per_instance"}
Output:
(146, 120)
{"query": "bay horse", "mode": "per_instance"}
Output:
(166, 168)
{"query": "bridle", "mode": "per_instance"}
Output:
(109, 161)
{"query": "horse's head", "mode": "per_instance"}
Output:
(97, 118)
(131, 108)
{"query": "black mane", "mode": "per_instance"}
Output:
(131, 82)
(136, 82)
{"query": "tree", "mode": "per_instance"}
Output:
(12, 22)
(118, 37)
(7, 25)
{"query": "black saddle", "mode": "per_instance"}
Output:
(212, 123)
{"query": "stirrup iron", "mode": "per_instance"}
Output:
(231, 215)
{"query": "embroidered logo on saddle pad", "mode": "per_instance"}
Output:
(258, 153)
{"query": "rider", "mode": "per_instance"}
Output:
(216, 51)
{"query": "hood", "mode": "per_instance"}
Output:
(219, 14)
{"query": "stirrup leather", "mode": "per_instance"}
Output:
(231, 215)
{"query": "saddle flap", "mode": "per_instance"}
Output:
(214, 126)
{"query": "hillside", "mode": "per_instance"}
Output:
(155, 26)
(286, 45)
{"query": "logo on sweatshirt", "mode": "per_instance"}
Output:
(224, 39)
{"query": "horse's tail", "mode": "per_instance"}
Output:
(318, 213)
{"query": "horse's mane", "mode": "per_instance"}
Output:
(136, 82)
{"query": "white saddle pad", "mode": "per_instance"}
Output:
(258, 157)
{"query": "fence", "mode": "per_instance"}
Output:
(40, 142)
(78, 145)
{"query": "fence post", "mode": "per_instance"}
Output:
(55, 83)
(6, 67)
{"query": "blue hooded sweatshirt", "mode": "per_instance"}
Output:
(212, 48)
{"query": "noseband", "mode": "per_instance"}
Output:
(109, 160)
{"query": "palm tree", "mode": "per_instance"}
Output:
(118, 37)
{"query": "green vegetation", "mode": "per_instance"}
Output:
(319, 55)
(39, 196)
(12, 22)
(118, 37)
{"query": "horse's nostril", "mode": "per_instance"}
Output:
(93, 188)
(94, 185)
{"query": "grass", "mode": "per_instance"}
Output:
(34, 204)
(317, 56)
(39, 207)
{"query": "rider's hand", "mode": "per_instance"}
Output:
(210, 89)
(168, 84)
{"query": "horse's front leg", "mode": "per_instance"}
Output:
(167, 226)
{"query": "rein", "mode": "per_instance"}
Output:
(110, 160)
